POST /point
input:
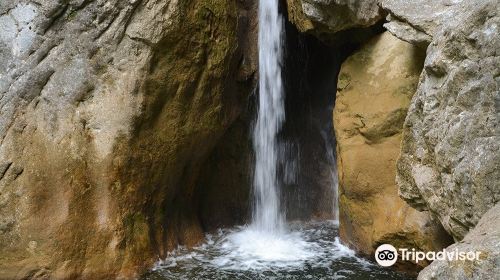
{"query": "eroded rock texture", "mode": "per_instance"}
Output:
(330, 16)
(484, 238)
(451, 143)
(108, 110)
(417, 21)
(375, 87)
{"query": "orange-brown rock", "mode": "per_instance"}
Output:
(375, 87)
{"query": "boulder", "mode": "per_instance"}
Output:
(320, 16)
(375, 87)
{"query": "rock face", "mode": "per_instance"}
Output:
(225, 181)
(108, 110)
(451, 138)
(450, 146)
(320, 16)
(418, 21)
(375, 87)
(484, 238)
(297, 17)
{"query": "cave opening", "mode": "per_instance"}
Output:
(307, 169)
(310, 74)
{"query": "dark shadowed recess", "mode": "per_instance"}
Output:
(310, 71)
(307, 165)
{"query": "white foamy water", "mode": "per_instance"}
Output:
(307, 251)
(253, 249)
(244, 249)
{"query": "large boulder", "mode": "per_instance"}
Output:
(451, 138)
(375, 87)
(108, 110)
(331, 16)
(485, 239)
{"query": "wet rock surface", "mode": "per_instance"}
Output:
(108, 111)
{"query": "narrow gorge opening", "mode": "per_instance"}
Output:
(303, 158)
(310, 78)
(307, 168)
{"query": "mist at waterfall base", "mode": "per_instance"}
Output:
(266, 239)
(268, 247)
(241, 253)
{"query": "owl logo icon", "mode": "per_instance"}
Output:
(386, 255)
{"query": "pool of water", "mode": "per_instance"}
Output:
(305, 251)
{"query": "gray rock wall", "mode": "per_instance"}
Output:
(451, 139)
(331, 16)
(484, 239)
(108, 111)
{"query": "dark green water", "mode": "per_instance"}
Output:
(307, 251)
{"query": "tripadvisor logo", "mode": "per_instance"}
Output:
(387, 255)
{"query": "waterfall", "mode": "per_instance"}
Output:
(331, 157)
(267, 215)
(267, 240)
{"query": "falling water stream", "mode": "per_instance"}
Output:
(269, 248)
(330, 155)
(267, 215)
